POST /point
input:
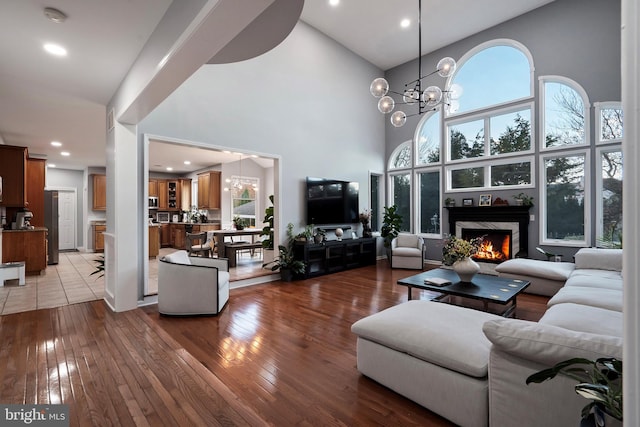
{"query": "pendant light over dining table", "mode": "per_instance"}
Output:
(426, 100)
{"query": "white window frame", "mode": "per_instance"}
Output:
(599, 106)
(416, 137)
(395, 152)
(587, 198)
(487, 164)
(392, 192)
(416, 195)
(486, 116)
(541, 108)
(486, 45)
(598, 183)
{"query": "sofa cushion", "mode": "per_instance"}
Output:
(584, 318)
(548, 344)
(611, 299)
(600, 259)
(442, 334)
(404, 251)
(596, 279)
(532, 267)
(178, 257)
(408, 240)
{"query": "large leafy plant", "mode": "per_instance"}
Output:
(267, 230)
(599, 381)
(286, 259)
(391, 223)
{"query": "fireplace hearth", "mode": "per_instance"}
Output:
(506, 229)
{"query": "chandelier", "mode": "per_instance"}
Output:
(240, 182)
(413, 94)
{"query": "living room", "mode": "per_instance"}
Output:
(349, 140)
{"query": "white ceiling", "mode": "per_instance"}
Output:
(45, 98)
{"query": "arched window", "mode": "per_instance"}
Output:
(401, 156)
(564, 113)
(492, 74)
(428, 139)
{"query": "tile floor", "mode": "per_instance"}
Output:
(69, 282)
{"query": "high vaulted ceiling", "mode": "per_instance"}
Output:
(45, 98)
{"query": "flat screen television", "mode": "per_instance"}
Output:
(331, 201)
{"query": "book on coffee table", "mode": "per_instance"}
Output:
(437, 281)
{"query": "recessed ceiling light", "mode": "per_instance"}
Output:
(55, 49)
(56, 143)
(55, 15)
(65, 153)
(169, 169)
(405, 23)
(334, 2)
(51, 165)
(187, 162)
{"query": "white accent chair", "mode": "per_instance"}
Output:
(192, 285)
(407, 251)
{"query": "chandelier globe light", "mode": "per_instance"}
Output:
(413, 94)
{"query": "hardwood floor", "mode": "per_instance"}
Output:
(279, 354)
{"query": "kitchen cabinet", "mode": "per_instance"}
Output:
(153, 188)
(185, 194)
(35, 190)
(154, 241)
(99, 192)
(165, 235)
(173, 199)
(163, 195)
(28, 246)
(179, 240)
(98, 237)
(209, 190)
(13, 169)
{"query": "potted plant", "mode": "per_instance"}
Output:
(305, 235)
(599, 381)
(391, 223)
(239, 223)
(320, 236)
(457, 253)
(99, 267)
(449, 202)
(365, 219)
(285, 261)
(267, 230)
(523, 200)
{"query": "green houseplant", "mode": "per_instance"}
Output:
(599, 381)
(267, 230)
(239, 223)
(285, 261)
(391, 223)
(523, 199)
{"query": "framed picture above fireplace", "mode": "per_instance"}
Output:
(485, 200)
(467, 202)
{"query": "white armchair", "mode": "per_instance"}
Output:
(192, 285)
(407, 251)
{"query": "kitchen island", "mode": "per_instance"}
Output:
(28, 246)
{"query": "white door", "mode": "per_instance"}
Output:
(67, 220)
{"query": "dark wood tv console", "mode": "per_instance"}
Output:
(335, 255)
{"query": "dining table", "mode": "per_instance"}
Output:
(220, 236)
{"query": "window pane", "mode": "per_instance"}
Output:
(403, 158)
(511, 174)
(611, 198)
(375, 203)
(466, 140)
(402, 199)
(611, 120)
(492, 76)
(565, 197)
(511, 133)
(430, 202)
(429, 140)
(467, 178)
(243, 200)
(564, 114)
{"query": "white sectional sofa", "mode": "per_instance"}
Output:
(420, 352)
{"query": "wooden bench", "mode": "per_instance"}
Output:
(230, 250)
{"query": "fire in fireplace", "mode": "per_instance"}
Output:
(495, 247)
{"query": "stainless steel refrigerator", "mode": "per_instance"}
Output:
(51, 222)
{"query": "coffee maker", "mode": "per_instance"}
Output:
(23, 220)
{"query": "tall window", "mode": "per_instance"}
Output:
(375, 192)
(401, 196)
(565, 218)
(428, 140)
(243, 200)
(429, 201)
(609, 198)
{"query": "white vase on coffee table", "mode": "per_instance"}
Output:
(466, 268)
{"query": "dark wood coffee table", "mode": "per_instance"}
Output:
(484, 288)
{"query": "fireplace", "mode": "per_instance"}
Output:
(495, 246)
(506, 229)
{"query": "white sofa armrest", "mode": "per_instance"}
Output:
(221, 264)
(599, 259)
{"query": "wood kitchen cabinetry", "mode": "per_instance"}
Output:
(185, 194)
(13, 169)
(35, 190)
(163, 195)
(99, 192)
(98, 237)
(165, 235)
(178, 240)
(154, 241)
(153, 188)
(209, 190)
(28, 246)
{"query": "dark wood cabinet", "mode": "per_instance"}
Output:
(163, 195)
(334, 255)
(35, 190)
(165, 235)
(98, 237)
(13, 170)
(29, 246)
(209, 190)
(99, 192)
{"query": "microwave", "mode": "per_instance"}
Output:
(153, 202)
(162, 216)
